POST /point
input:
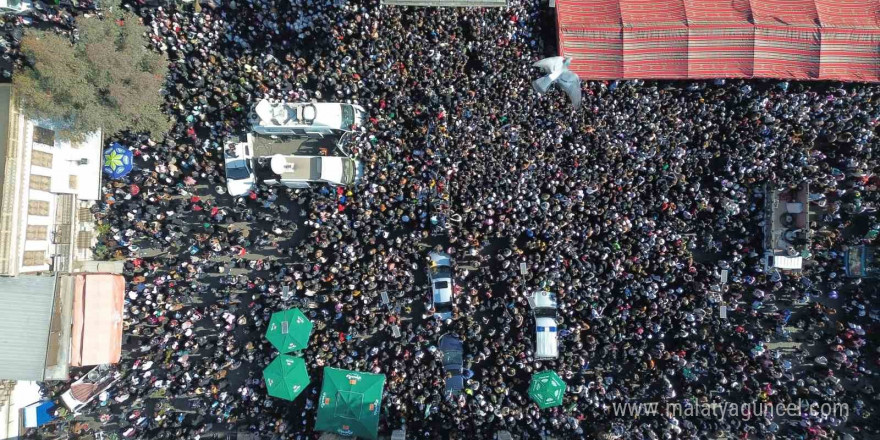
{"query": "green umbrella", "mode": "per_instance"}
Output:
(289, 330)
(350, 402)
(286, 377)
(547, 389)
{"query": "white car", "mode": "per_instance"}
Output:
(306, 118)
(239, 169)
(546, 341)
(440, 273)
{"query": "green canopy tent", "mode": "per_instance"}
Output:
(286, 377)
(350, 402)
(289, 330)
(547, 389)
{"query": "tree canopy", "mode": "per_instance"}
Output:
(107, 80)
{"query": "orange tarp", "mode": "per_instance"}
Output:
(97, 319)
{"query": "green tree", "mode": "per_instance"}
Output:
(107, 80)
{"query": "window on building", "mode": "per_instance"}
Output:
(41, 159)
(34, 258)
(44, 136)
(38, 207)
(37, 232)
(74, 182)
(83, 240)
(85, 215)
(42, 183)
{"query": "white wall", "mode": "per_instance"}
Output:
(24, 394)
(65, 163)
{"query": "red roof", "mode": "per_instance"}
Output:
(653, 12)
(681, 39)
(787, 13)
(719, 13)
(849, 13)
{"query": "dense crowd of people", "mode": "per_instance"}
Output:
(628, 210)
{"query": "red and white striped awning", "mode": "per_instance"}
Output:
(691, 39)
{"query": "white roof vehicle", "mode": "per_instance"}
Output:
(440, 272)
(544, 308)
(297, 162)
(297, 171)
(239, 174)
(306, 118)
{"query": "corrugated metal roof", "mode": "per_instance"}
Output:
(26, 304)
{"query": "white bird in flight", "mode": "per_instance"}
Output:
(558, 73)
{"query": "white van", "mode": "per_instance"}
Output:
(313, 119)
(299, 162)
(300, 171)
(546, 341)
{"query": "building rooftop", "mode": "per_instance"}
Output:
(70, 164)
(26, 310)
(48, 324)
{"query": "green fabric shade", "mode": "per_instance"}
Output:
(547, 389)
(286, 377)
(350, 402)
(289, 330)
